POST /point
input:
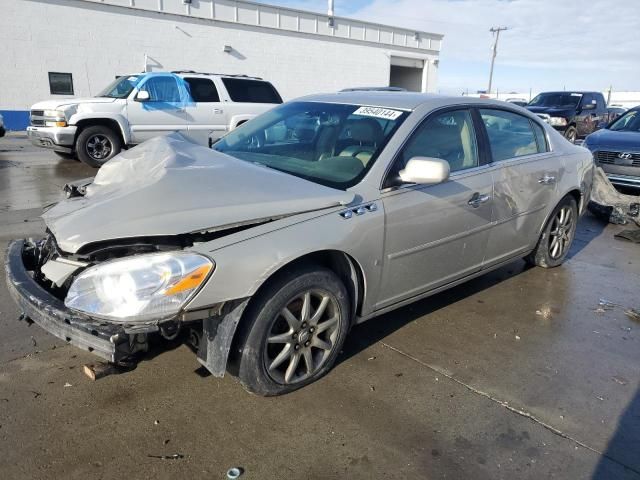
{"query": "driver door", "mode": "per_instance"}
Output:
(436, 234)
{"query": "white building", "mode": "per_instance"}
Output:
(52, 47)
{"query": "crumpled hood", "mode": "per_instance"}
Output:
(55, 104)
(169, 186)
(614, 140)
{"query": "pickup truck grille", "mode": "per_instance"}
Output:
(613, 158)
(37, 118)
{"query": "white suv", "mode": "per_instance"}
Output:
(137, 107)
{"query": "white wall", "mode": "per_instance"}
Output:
(96, 41)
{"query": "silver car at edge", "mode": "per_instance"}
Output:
(320, 214)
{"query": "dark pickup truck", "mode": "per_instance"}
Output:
(575, 114)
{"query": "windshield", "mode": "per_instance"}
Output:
(629, 122)
(121, 87)
(561, 99)
(331, 144)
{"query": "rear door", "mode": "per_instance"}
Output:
(162, 113)
(525, 176)
(205, 114)
(436, 234)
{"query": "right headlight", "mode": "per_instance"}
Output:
(142, 288)
(558, 121)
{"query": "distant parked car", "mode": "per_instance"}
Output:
(575, 114)
(615, 112)
(617, 149)
(521, 102)
(374, 89)
(2, 130)
(316, 216)
(137, 107)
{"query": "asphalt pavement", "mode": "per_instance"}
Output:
(517, 374)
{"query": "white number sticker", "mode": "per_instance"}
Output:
(378, 112)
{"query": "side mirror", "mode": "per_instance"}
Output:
(589, 106)
(425, 171)
(142, 96)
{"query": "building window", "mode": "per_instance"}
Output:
(60, 83)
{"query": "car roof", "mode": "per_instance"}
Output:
(398, 100)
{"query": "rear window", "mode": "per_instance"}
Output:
(251, 91)
(202, 90)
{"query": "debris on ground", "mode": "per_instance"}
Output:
(371, 358)
(174, 456)
(234, 473)
(629, 235)
(33, 341)
(68, 385)
(99, 370)
(35, 394)
(620, 380)
(611, 205)
(633, 314)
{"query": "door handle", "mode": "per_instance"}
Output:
(547, 180)
(478, 199)
(217, 111)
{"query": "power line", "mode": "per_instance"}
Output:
(496, 33)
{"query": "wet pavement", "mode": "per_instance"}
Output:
(517, 374)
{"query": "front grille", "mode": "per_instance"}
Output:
(37, 118)
(612, 158)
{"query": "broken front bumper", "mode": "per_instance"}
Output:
(107, 341)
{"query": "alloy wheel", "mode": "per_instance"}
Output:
(302, 337)
(561, 232)
(99, 147)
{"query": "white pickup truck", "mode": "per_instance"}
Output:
(137, 107)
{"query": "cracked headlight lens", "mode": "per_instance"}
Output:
(141, 288)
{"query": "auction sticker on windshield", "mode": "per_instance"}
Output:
(378, 112)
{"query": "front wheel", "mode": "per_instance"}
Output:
(557, 235)
(293, 331)
(98, 144)
(571, 134)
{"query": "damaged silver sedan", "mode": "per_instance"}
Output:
(315, 216)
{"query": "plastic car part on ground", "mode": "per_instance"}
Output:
(609, 203)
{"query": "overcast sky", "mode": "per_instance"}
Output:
(551, 44)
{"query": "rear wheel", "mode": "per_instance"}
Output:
(571, 134)
(98, 144)
(294, 331)
(557, 235)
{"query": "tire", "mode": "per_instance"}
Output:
(66, 156)
(275, 348)
(571, 134)
(552, 248)
(96, 145)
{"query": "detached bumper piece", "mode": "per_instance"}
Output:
(107, 341)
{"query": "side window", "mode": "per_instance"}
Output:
(448, 136)
(162, 89)
(587, 99)
(541, 138)
(510, 134)
(600, 102)
(202, 90)
(251, 91)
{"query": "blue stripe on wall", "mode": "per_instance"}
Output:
(15, 119)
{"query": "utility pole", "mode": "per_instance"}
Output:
(496, 33)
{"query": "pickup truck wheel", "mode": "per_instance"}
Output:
(557, 235)
(571, 134)
(96, 145)
(295, 329)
